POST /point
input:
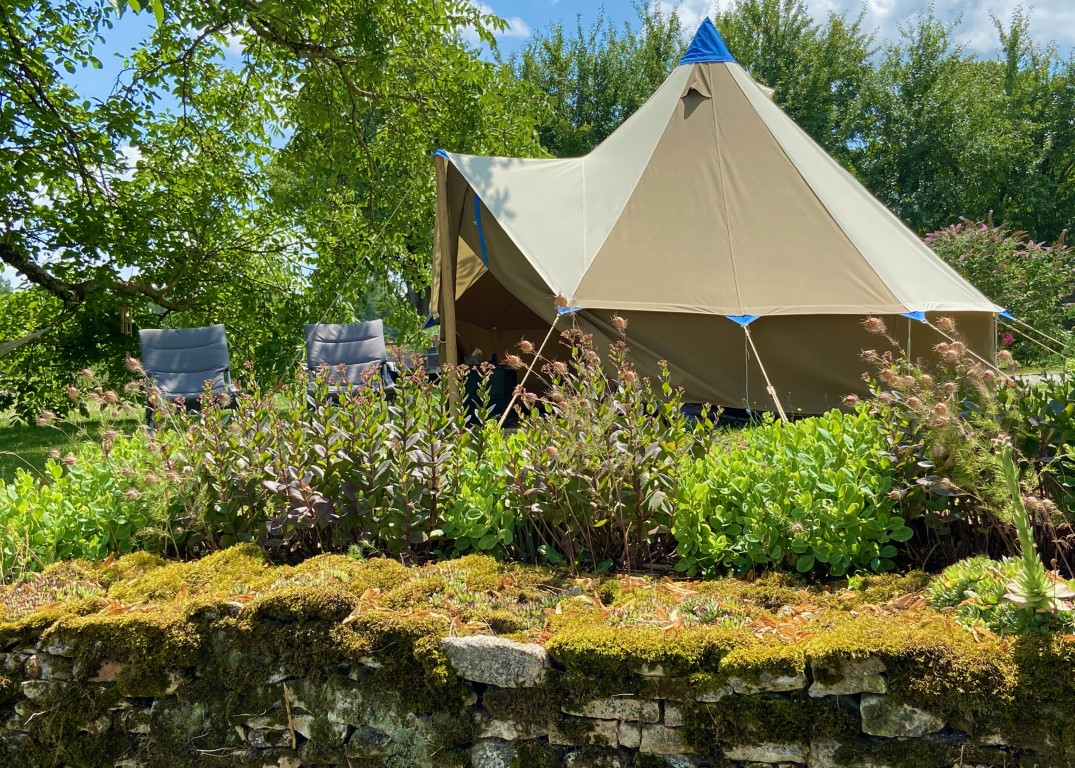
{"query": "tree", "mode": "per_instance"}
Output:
(257, 188)
(595, 79)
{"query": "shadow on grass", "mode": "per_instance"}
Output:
(28, 446)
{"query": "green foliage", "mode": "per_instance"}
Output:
(977, 590)
(1031, 280)
(594, 79)
(810, 495)
(107, 498)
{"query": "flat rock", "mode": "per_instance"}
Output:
(592, 759)
(768, 753)
(584, 732)
(767, 682)
(491, 753)
(848, 677)
(617, 708)
(662, 740)
(496, 661)
(673, 715)
(488, 727)
(883, 717)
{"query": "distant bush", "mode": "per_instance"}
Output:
(108, 498)
(1033, 281)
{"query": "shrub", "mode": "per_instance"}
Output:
(945, 421)
(593, 468)
(107, 498)
(1031, 280)
(812, 494)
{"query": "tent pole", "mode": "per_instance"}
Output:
(445, 253)
(529, 368)
(768, 384)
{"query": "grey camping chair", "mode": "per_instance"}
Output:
(354, 354)
(178, 362)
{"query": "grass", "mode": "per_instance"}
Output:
(28, 445)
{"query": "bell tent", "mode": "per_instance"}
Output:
(737, 249)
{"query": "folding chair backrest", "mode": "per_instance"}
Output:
(180, 360)
(358, 347)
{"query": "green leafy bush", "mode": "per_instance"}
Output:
(813, 494)
(108, 498)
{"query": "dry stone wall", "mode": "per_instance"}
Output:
(518, 709)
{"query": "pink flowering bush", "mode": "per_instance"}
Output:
(1033, 281)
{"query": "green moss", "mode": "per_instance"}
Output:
(737, 720)
(9, 690)
(540, 704)
(238, 570)
(128, 568)
(536, 754)
(878, 589)
(927, 752)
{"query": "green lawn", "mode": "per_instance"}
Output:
(28, 446)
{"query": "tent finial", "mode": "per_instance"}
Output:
(707, 46)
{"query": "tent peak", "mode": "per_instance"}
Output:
(707, 46)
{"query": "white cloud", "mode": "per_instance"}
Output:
(1050, 20)
(517, 26)
(233, 43)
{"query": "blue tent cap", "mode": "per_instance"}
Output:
(707, 46)
(919, 316)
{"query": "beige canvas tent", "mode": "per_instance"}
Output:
(710, 221)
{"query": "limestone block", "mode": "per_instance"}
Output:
(767, 682)
(849, 677)
(489, 727)
(883, 717)
(713, 696)
(42, 666)
(37, 690)
(496, 661)
(673, 714)
(491, 753)
(367, 743)
(617, 708)
(768, 753)
(651, 670)
(662, 740)
(267, 739)
(630, 735)
(590, 758)
(581, 732)
(108, 672)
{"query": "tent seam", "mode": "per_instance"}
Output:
(724, 196)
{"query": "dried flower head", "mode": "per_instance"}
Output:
(552, 452)
(134, 365)
(54, 454)
(110, 434)
(526, 347)
(132, 495)
(73, 392)
(913, 402)
(70, 460)
(560, 367)
(629, 376)
(851, 400)
(110, 397)
(874, 325)
(946, 324)
(1004, 356)
(86, 373)
(513, 361)
(938, 451)
(619, 323)
(531, 399)
(870, 355)
(46, 418)
(171, 476)
(560, 301)
(151, 478)
(950, 388)
(884, 398)
(925, 380)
